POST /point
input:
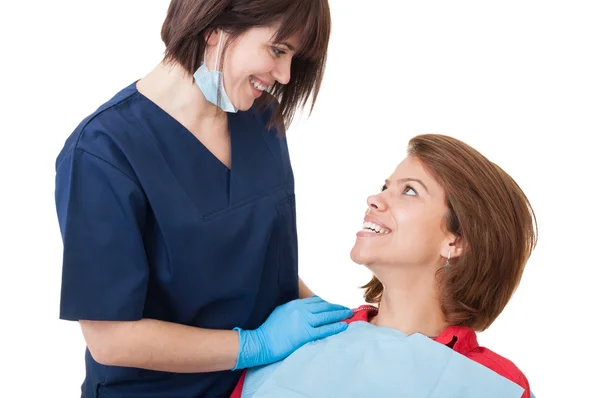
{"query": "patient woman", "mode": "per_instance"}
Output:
(447, 240)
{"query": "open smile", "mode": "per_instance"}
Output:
(373, 227)
(258, 86)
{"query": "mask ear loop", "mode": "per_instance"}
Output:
(218, 50)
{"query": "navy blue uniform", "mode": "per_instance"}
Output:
(155, 226)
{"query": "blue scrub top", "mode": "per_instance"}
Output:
(155, 226)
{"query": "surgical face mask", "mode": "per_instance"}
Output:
(210, 81)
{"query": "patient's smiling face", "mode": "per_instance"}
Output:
(409, 218)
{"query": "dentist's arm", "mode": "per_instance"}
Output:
(169, 347)
(304, 291)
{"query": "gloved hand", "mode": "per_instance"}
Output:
(289, 327)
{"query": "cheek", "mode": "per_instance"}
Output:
(260, 66)
(418, 231)
(408, 217)
(244, 64)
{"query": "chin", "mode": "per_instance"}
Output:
(243, 107)
(360, 256)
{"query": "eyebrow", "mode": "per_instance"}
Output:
(404, 180)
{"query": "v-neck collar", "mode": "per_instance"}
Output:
(256, 165)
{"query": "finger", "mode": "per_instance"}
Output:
(329, 330)
(324, 306)
(326, 318)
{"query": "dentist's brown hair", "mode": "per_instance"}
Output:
(189, 21)
(493, 219)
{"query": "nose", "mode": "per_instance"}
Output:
(376, 203)
(282, 71)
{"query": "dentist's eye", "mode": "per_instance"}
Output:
(277, 52)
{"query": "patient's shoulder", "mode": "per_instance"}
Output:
(363, 313)
(464, 341)
(500, 365)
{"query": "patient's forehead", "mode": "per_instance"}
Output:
(412, 167)
(409, 167)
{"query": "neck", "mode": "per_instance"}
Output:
(173, 89)
(410, 303)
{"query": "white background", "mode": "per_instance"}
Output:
(518, 80)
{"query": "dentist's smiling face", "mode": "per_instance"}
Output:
(252, 63)
(405, 223)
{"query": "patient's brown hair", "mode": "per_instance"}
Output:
(490, 214)
(188, 21)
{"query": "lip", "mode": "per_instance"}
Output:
(377, 221)
(264, 83)
(257, 93)
(374, 220)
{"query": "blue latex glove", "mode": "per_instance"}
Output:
(288, 328)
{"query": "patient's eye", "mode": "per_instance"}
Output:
(408, 190)
(383, 187)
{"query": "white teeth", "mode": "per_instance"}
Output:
(257, 85)
(369, 226)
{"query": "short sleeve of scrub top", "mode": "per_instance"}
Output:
(155, 226)
(102, 211)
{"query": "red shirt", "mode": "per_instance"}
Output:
(460, 338)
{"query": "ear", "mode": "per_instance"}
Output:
(212, 38)
(453, 247)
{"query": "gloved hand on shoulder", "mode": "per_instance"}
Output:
(289, 327)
